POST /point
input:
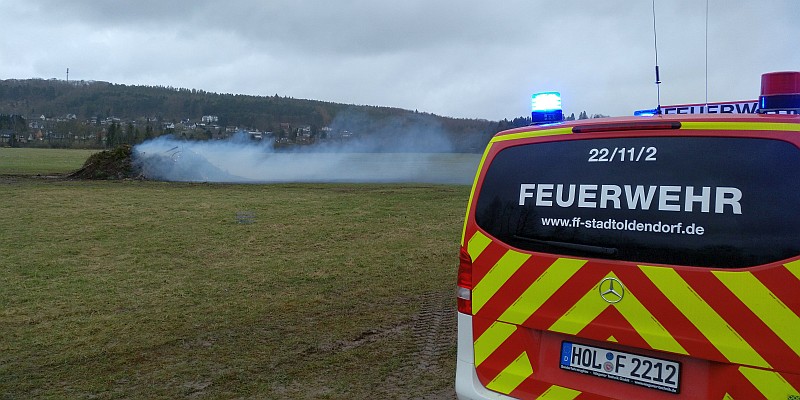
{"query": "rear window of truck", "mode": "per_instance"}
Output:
(696, 201)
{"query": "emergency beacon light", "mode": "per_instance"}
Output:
(646, 113)
(780, 92)
(546, 108)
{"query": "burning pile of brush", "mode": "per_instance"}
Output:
(109, 164)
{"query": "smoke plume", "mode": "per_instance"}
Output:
(355, 149)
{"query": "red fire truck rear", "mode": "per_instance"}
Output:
(636, 257)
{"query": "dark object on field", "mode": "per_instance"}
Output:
(245, 217)
(108, 164)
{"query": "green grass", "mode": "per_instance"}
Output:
(135, 289)
(30, 161)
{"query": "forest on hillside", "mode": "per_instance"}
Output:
(82, 113)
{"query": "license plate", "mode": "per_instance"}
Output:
(636, 369)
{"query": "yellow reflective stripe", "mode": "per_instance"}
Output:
(742, 126)
(711, 324)
(541, 290)
(496, 277)
(512, 376)
(646, 325)
(581, 313)
(764, 304)
(531, 134)
(643, 322)
(556, 392)
(477, 245)
(727, 397)
(492, 339)
(771, 384)
(472, 193)
(794, 268)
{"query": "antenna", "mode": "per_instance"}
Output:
(706, 54)
(655, 43)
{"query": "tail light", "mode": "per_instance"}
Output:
(464, 288)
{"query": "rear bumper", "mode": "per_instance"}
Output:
(468, 387)
(701, 379)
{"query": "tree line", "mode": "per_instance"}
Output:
(141, 112)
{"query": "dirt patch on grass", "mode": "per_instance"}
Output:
(426, 371)
(8, 179)
(433, 330)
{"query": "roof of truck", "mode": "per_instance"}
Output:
(789, 122)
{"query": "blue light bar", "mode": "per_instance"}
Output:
(646, 113)
(546, 107)
(546, 101)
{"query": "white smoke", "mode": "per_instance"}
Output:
(394, 151)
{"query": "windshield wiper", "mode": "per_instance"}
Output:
(609, 251)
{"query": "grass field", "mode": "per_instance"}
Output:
(27, 161)
(133, 289)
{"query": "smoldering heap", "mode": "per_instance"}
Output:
(108, 165)
(125, 162)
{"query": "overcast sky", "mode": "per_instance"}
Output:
(459, 58)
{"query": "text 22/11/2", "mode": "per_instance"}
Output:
(623, 154)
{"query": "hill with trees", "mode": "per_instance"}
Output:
(95, 114)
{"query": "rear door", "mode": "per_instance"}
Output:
(639, 264)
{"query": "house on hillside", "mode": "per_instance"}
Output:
(255, 134)
(304, 135)
(5, 135)
(325, 132)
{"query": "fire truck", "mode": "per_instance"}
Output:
(642, 257)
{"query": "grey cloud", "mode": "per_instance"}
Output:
(464, 58)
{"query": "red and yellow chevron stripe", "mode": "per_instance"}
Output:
(737, 333)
